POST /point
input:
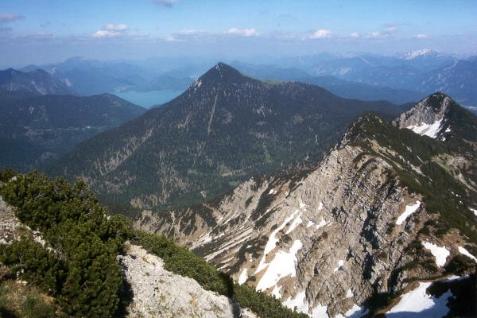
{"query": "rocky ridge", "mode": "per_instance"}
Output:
(330, 240)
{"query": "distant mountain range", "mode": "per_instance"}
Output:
(398, 79)
(225, 128)
(337, 86)
(89, 77)
(34, 82)
(425, 73)
(36, 129)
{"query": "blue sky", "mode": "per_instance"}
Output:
(38, 31)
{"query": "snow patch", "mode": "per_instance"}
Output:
(282, 265)
(319, 312)
(418, 301)
(272, 191)
(243, 277)
(239, 239)
(297, 221)
(321, 224)
(276, 292)
(339, 265)
(317, 226)
(410, 209)
(273, 240)
(465, 252)
(349, 293)
(430, 130)
(440, 253)
(474, 211)
(298, 302)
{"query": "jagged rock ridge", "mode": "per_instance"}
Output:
(366, 221)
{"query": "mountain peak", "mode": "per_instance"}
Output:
(9, 71)
(221, 73)
(411, 55)
(428, 117)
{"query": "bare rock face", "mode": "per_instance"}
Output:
(428, 116)
(160, 293)
(9, 224)
(325, 241)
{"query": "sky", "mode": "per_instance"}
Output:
(44, 31)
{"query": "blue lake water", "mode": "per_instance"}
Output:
(149, 98)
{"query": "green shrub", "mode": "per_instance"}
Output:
(81, 269)
(33, 307)
(82, 273)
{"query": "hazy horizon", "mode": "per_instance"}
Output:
(50, 31)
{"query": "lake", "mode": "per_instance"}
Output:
(149, 98)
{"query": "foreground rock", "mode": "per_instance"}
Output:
(160, 293)
(10, 226)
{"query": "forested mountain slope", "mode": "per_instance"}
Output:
(36, 129)
(225, 128)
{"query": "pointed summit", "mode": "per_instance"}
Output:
(428, 117)
(221, 73)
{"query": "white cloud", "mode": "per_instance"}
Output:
(320, 34)
(111, 31)
(355, 35)
(242, 32)
(388, 31)
(421, 36)
(193, 34)
(376, 34)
